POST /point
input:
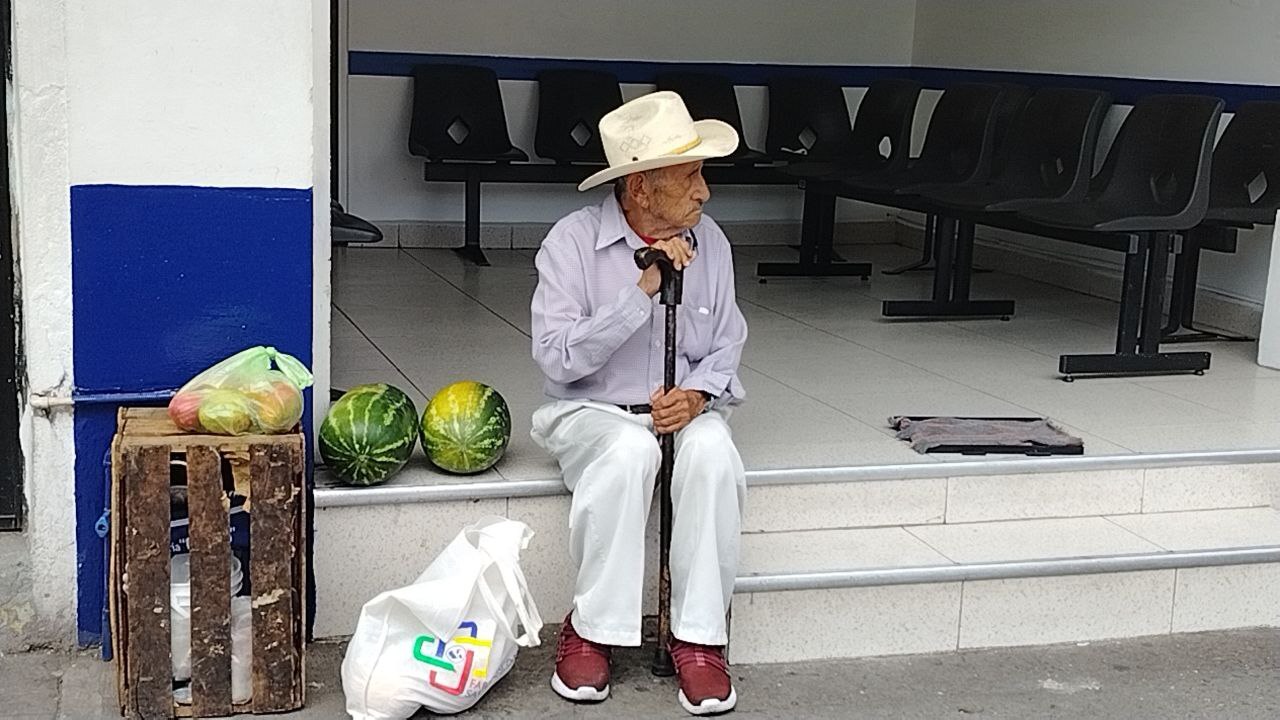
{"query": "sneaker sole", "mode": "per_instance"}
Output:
(584, 694)
(710, 706)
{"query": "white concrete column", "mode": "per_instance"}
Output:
(231, 94)
(39, 137)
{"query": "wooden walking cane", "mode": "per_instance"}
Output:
(669, 295)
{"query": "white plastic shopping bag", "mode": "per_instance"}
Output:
(443, 641)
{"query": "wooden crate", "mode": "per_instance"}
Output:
(269, 470)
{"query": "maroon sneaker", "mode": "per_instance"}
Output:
(582, 667)
(705, 687)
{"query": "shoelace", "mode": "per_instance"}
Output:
(685, 654)
(571, 643)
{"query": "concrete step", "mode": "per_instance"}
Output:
(369, 540)
(950, 492)
(807, 595)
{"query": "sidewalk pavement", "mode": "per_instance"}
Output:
(1233, 675)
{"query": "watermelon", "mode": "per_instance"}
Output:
(369, 434)
(466, 427)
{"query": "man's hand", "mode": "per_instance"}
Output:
(676, 248)
(676, 409)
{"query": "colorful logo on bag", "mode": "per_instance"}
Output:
(460, 661)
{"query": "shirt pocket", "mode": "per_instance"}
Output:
(695, 332)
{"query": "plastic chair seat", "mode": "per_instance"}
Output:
(912, 181)
(1106, 217)
(1046, 155)
(813, 170)
(958, 145)
(746, 156)
(1240, 217)
(842, 152)
(514, 154)
(1156, 175)
(989, 197)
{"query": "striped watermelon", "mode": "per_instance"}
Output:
(369, 434)
(466, 427)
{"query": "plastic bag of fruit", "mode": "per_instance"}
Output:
(255, 391)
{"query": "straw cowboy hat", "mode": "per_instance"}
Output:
(655, 131)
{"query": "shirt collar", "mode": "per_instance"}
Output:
(614, 227)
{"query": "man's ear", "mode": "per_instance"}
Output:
(638, 188)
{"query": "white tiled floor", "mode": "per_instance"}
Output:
(822, 368)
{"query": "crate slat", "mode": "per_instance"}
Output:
(210, 545)
(274, 543)
(116, 569)
(146, 426)
(150, 673)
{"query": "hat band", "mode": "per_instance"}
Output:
(686, 147)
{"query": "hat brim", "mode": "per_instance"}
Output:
(719, 139)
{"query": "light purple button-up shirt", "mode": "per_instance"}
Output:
(597, 336)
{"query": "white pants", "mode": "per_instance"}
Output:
(610, 462)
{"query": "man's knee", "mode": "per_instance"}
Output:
(631, 447)
(707, 462)
(625, 466)
(708, 437)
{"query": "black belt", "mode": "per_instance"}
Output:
(638, 409)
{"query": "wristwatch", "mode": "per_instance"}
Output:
(708, 397)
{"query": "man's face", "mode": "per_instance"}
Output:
(676, 194)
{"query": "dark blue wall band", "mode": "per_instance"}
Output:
(166, 281)
(1123, 90)
(362, 62)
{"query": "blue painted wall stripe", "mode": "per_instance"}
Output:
(363, 62)
(1124, 90)
(167, 280)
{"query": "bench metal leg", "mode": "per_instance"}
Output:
(925, 263)
(1138, 329)
(926, 252)
(809, 216)
(811, 229)
(824, 244)
(1129, 324)
(951, 280)
(1181, 327)
(1132, 364)
(470, 250)
(1153, 293)
(817, 254)
(945, 251)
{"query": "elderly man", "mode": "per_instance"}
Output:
(599, 339)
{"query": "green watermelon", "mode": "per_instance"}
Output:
(466, 427)
(369, 434)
